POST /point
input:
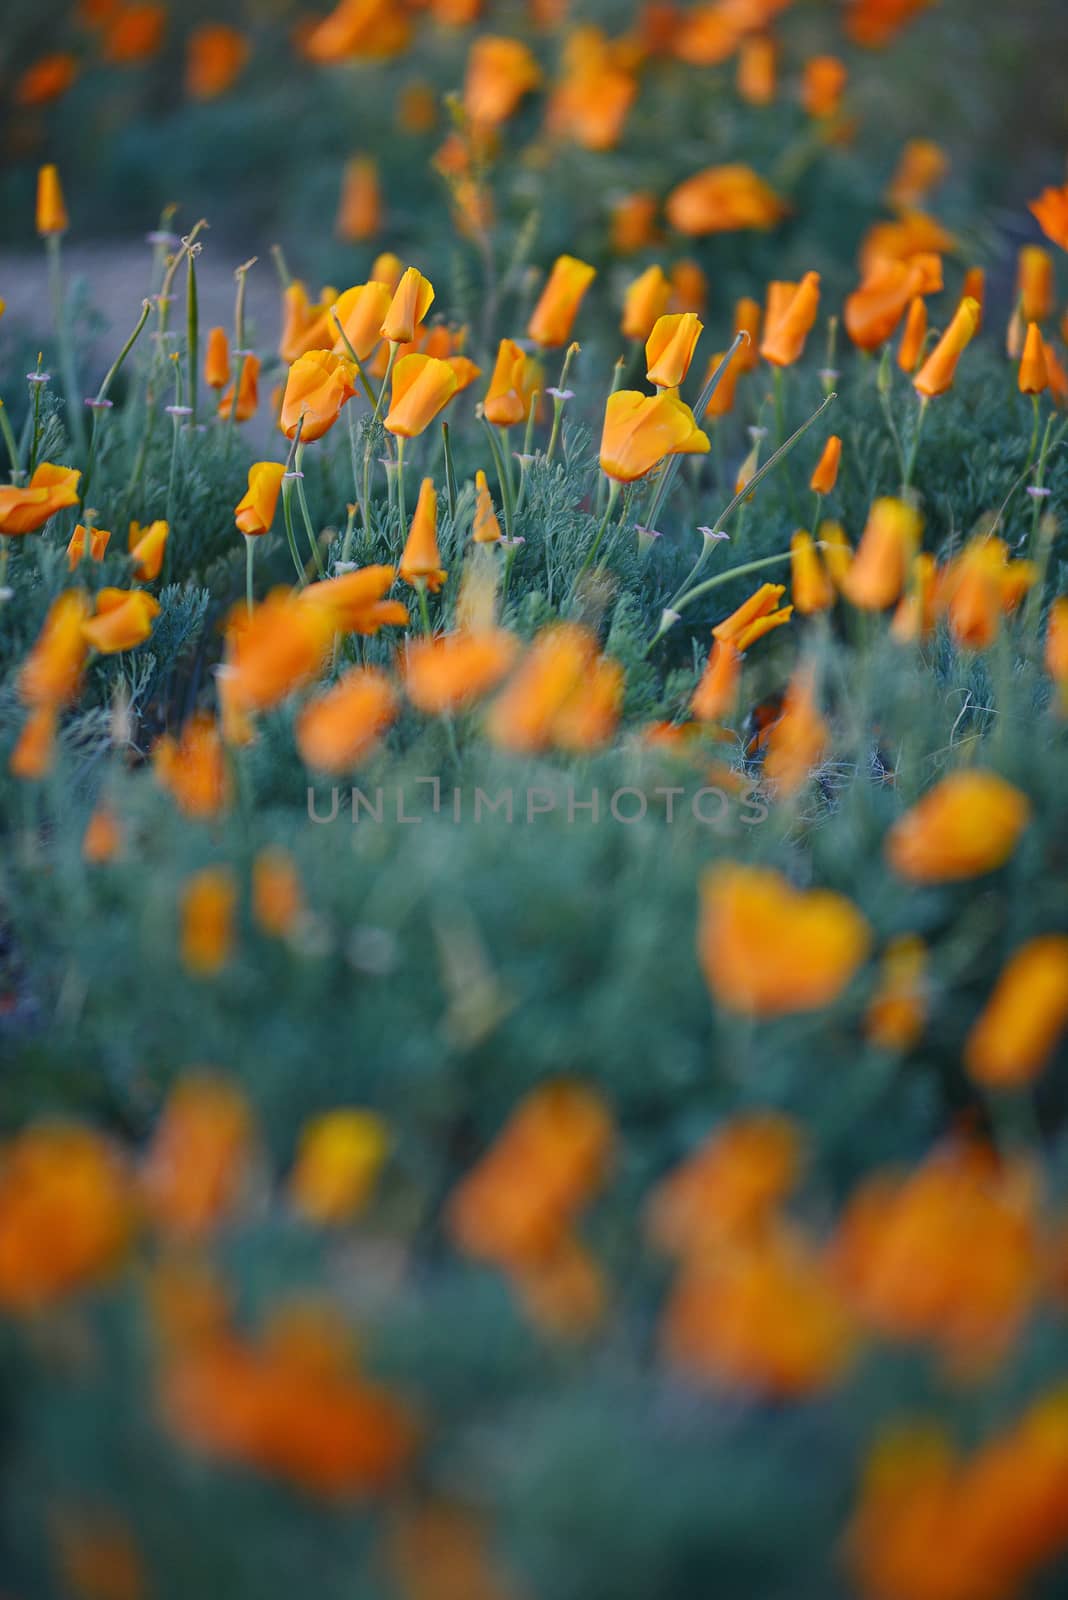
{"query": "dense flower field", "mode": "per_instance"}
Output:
(533, 921)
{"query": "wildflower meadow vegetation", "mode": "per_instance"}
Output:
(533, 852)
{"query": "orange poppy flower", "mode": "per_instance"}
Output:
(878, 571)
(967, 825)
(640, 431)
(554, 315)
(277, 897)
(724, 199)
(208, 903)
(755, 617)
(201, 1161)
(359, 212)
(914, 337)
(341, 727)
(825, 475)
(254, 512)
(823, 83)
(768, 949)
(646, 299)
(355, 603)
(147, 547)
(276, 650)
(499, 73)
(785, 333)
(51, 207)
(49, 490)
(46, 80)
(339, 1157)
(669, 348)
(517, 377)
(248, 392)
(454, 671)
(799, 737)
(412, 299)
(123, 620)
(361, 312)
(1051, 213)
(51, 674)
(192, 768)
(873, 311)
(922, 166)
(422, 386)
(1024, 1018)
(318, 387)
(217, 360)
(898, 1009)
(717, 691)
(420, 561)
(216, 56)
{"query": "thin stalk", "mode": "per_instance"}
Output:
(365, 382)
(672, 613)
(250, 551)
(67, 366)
(503, 481)
(10, 442)
(613, 496)
(288, 480)
(99, 404)
(450, 472)
(37, 383)
(910, 463)
(192, 332)
(401, 506)
(667, 477)
(305, 513)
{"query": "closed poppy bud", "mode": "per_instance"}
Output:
(217, 360)
(554, 315)
(412, 299)
(645, 301)
(822, 85)
(248, 392)
(102, 839)
(1034, 376)
(747, 319)
(757, 64)
(881, 565)
(208, 903)
(516, 378)
(873, 311)
(51, 207)
(35, 747)
(360, 312)
(136, 34)
(277, 899)
(215, 57)
(723, 199)
(914, 336)
(825, 476)
(640, 431)
(975, 289)
(721, 402)
(786, 332)
(123, 620)
(689, 287)
(898, 1008)
(768, 949)
(98, 540)
(669, 348)
(148, 546)
(966, 825)
(634, 223)
(1024, 1018)
(338, 729)
(254, 513)
(810, 585)
(51, 489)
(716, 693)
(978, 588)
(486, 529)
(420, 562)
(318, 386)
(359, 214)
(340, 1156)
(1036, 284)
(422, 386)
(755, 617)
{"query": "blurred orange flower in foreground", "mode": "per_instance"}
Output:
(768, 949)
(66, 1214)
(968, 824)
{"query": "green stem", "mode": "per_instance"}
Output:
(66, 349)
(910, 464)
(12, 446)
(99, 404)
(613, 496)
(250, 548)
(667, 477)
(305, 513)
(424, 609)
(401, 506)
(450, 472)
(672, 613)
